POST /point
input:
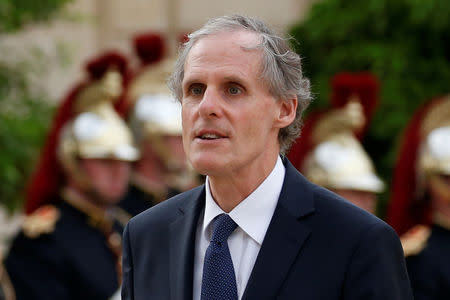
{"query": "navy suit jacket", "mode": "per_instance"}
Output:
(317, 246)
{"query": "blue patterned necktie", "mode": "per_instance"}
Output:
(219, 280)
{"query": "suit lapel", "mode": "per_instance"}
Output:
(182, 245)
(284, 238)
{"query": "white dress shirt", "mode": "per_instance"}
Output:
(252, 216)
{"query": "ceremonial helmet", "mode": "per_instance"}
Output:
(151, 77)
(154, 110)
(329, 152)
(155, 113)
(96, 132)
(95, 97)
(424, 156)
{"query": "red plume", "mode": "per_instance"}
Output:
(365, 86)
(45, 183)
(183, 37)
(304, 144)
(149, 47)
(98, 66)
(405, 209)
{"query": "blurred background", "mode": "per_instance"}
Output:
(45, 44)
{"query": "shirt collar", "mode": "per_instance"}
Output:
(254, 213)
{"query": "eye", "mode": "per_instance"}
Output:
(234, 90)
(196, 90)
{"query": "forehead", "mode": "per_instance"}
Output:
(234, 52)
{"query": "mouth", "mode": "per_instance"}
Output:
(210, 135)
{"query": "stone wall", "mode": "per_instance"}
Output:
(87, 27)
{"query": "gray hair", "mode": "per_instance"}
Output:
(281, 67)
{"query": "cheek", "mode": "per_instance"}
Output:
(122, 174)
(258, 123)
(186, 129)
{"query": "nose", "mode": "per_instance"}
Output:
(210, 105)
(120, 169)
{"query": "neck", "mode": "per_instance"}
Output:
(82, 202)
(90, 198)
(151, 169)
(230, 191)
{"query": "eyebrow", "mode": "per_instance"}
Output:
(236, 79)
(230, 78)
(190, 81)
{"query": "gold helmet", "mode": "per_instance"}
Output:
(152, 80)
(338, 161)
(97, 131)
(434, 153)
(96, 93)
(434, 150)
(155, 113)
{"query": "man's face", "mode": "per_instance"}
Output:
(108, 179)
(230, 120)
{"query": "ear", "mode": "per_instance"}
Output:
(287, 112)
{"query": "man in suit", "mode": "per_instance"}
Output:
(257, 229)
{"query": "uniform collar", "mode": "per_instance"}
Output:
(97, 217)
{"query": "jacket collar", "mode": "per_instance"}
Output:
(284, 239)
(182, 244)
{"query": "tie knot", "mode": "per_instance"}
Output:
(223, 227)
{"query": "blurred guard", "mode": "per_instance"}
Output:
(6, 288)
(330, 154)
(70, 243)
(420, 199)
(155, 119)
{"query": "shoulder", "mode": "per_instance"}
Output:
(330, 211)
(165, 212)
(41, 222)
(38, 242)
(415, 240)
(351, 227)
(338, 211)
(50, 229)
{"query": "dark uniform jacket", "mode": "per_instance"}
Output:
(137, 200)
(429, 270)
(318, 246)
(73, 261)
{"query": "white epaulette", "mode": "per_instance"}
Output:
(415, 239)
(42, 221)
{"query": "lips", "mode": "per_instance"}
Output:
(210, 135)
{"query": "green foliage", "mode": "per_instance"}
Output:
(24, 119)
(14, 14)
(406, 43)
(24, 108)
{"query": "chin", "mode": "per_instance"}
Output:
(207, 166)
(113, 196)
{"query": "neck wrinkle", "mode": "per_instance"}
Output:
(229, 192)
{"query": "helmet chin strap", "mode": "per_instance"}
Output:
(89, 193)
